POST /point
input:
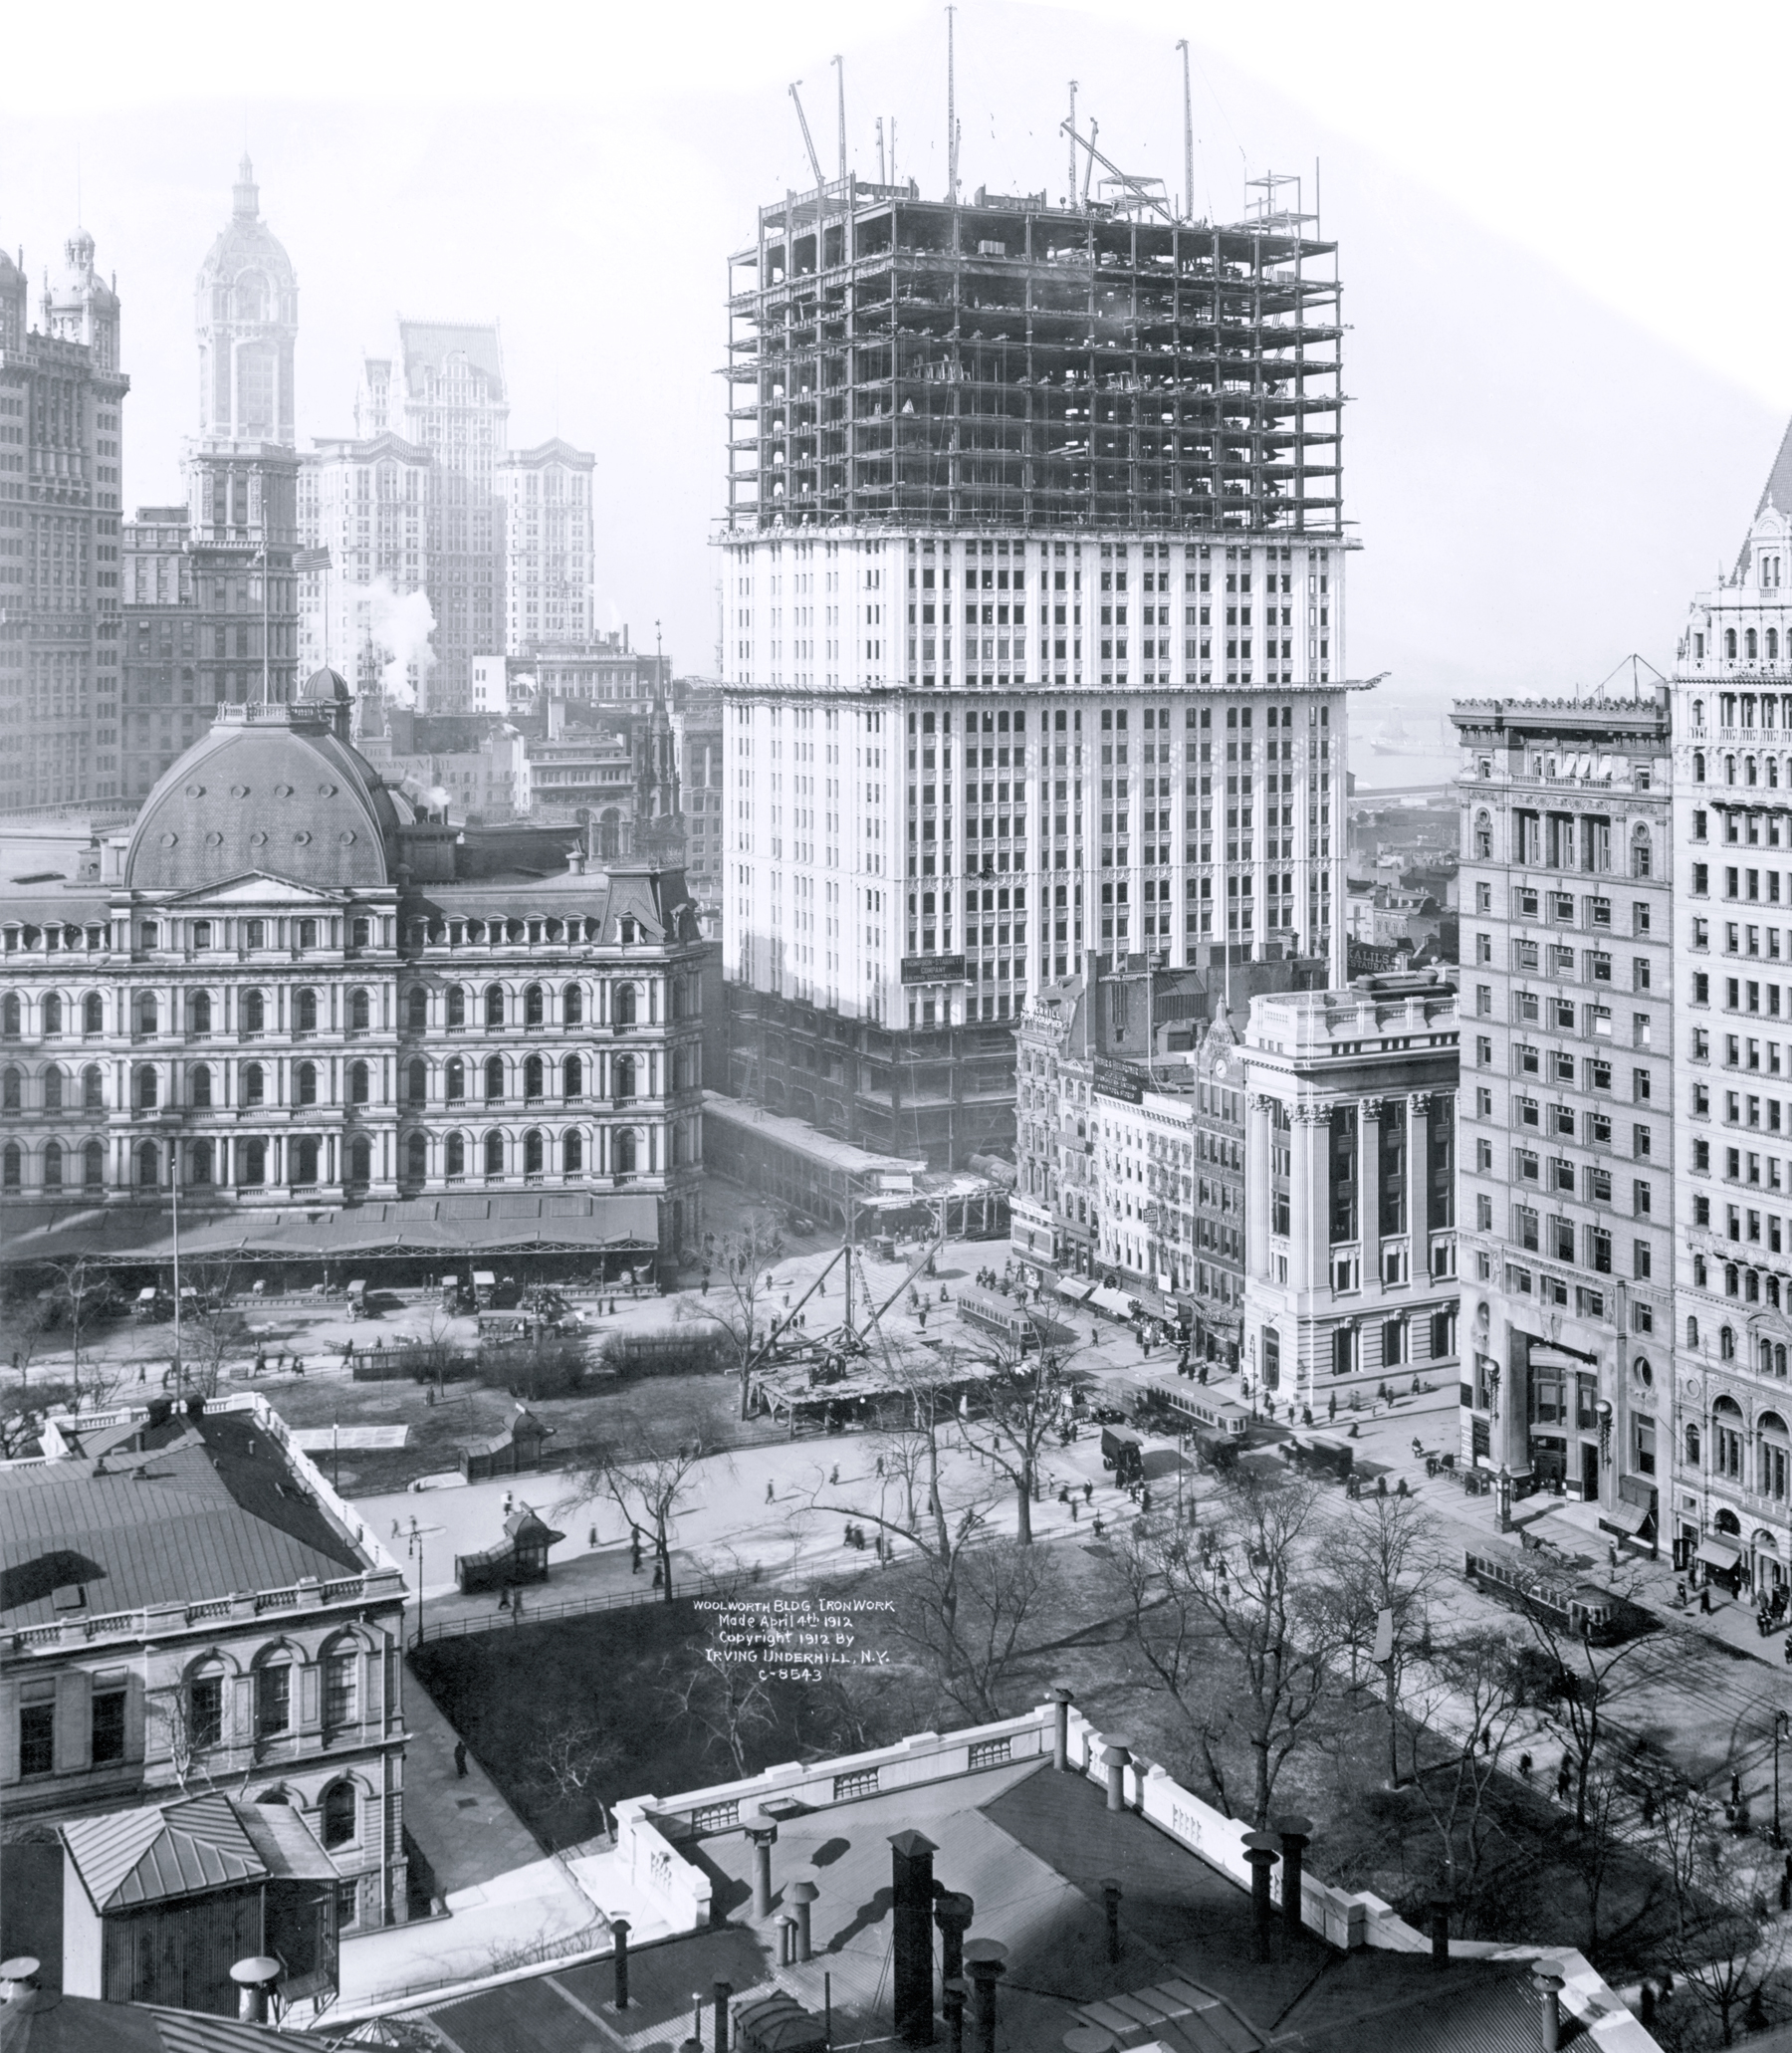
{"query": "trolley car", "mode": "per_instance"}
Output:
(1548, 1591)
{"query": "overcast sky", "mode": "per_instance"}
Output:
(1557, 230)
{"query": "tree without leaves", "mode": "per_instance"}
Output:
(87, 1293)
(1268, 1614)
(1461, 1693)
(1720, 1947)
(723, 1699)
(648, 1484)
(742, 1305)
(1586, 1670)
(171, 1709)
(1024, 1407)
(1384, 1553)
(970, 1640)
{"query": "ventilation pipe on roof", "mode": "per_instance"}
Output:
(984, 1959)
(255, 1978)
(620, 1941)
(1060, 1739)
(1294, 1833)
(1549, 1998)
(912, 1894)
(20, 1975)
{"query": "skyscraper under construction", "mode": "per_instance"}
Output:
(1035, 614)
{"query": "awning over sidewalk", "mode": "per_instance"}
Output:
(1116, 1304)
(1716, 1553)
(1076, 1288)
(1628, 1519)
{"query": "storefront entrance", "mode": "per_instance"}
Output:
(1589, 1455)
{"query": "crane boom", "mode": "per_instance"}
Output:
(1142, 193)
(808, 142)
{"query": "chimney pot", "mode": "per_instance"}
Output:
(255, 1978)
(1550, 1986)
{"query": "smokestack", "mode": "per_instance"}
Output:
(802, 1895)
(952, 1913)
(1261, 1851)
(1116, 1757)
(1062, 1699)
(723, 1990)
(764, 1836)
(1110, 1903)
(912, 1936)
(255, 1978)
(1439, 1928)
(1295, 1833)
(1549, 1988)
(619, 1934)
(984, 1959)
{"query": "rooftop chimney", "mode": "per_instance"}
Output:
(912, 1936)
(982, 1959)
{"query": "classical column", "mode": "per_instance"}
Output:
(1257, 1184)
(1369, 1114)
(1310, 1198)
(1417, 1110)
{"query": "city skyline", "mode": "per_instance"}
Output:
(1555, 460)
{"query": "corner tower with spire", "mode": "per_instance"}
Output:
(243, 465)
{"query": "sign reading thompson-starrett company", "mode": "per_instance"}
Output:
(933, 968)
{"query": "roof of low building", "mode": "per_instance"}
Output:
(212, 1509)
(46, 2021)
(129, 1860)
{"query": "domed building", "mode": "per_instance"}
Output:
(292, 984)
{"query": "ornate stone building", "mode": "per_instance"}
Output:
(1350, 1188)
(287, 985)
(62, 396)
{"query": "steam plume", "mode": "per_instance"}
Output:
(401, 625)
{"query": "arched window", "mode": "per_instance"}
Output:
(146, 1089)
(199, 1013)
(201, 1163)
(1748, 769)
(93, 1014)
(1730, 769)
(305, 1011)
(93, 1165)
(572, 1005)
(1729, 643)
(305, 1159)
(533, 1006)
(53, 1089)
(416, 1009)
(416, 1081)
(494, 1005)
(457, 1154)
(1726, 1438)
(53, 1011)
(272, 1694)
(622, 1153)
(457, 1004)
(532, 1151)
(12, 1089)
(1699, 767)
(361, 1012)
(53, 1166)
(254, 1083)
(339, 1814)
(1726, 1343)
(623, 1078)
(10, 1015)
(1749, 644)
(146, 1011)
(1698, 716)
(12, 1164)
(199, 1085)
(493, 1079)
(416, 1157)
(361, 1160)
(572, 1152)
(532, 1077)
(254, 1011)
(1693, 1447)
(493, 1153)
(622, 1010)
(454, 1079)
(305, 1084)
(149, 1162)
(1774, 1449)
(1773, 645)
(357, 1084)
(573, 1077)
(252, 1161)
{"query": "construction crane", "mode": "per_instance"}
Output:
(808, 142)
(1138, 191)
(839, 65)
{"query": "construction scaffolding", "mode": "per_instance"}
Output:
(1001, 363)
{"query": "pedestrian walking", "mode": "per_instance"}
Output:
(594, 1539)
(833, 1477)
(1088, 1492)
(509, 1499)
(880, 1464)
(460, 1759)
(659, 1581)
(771, 1493)
(1076, 1510)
